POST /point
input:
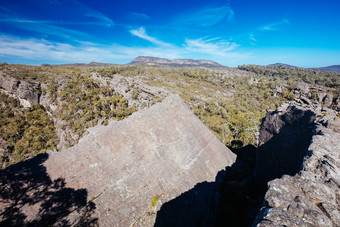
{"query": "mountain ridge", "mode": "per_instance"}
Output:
(332, 68)
(176, 62)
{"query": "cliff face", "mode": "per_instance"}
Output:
(311, 149)
(283, 140)
(119, 174)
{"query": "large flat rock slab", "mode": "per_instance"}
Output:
(131, 167)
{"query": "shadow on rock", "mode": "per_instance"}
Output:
(196, 207)
(30, 198)
(237, 198)
(240, 198)
(284, 142)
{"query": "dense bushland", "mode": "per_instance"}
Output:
(23, 132)
(231, 102)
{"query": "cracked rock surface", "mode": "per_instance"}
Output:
(312, 196)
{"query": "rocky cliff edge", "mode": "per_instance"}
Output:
(311, 197)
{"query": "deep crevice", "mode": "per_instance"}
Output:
(285, 141)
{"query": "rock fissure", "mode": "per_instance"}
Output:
(315, 201)
(289, 182)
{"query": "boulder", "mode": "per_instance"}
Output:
(26, 92)
(119, 174)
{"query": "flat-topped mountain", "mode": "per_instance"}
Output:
(175, 62)
(282, 64)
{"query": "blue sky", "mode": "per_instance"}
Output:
(231, 32)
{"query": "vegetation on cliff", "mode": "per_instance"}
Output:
(23, 132)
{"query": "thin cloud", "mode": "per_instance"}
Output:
(212, 46)
(137, 15)
(141, 33)
(41, 26)
(274, 26)
(104, 20)
(47, 51)
(206, 16)
(252, 38)
(79, 8)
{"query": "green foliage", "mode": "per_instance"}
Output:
(24, 132)
(318, 77)
(154, 200)
(105, 122)
(84, 101)
(286, 94)
(230, 102)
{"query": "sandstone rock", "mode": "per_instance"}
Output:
(124, 171)
(26, 92)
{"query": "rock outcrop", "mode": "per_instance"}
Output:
(28, 93)
(119, 174)
(303, 142)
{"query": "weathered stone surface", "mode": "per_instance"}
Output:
(311, 197)
(129, 168)
(28, 93)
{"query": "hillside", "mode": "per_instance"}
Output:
(282, 65)
(332, 68)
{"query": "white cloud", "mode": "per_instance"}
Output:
(40, 50)
(46, 51)
(102, 19)
(141, 33)
(274, 26)
(211, 46)
(205, 17)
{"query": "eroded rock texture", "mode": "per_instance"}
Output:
(28, 93)
(311, 197)
(121, 174)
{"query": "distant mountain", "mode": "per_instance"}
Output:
(175, 62)
(332, 68)
(285, 65)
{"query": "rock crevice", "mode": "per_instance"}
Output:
(306, 194)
